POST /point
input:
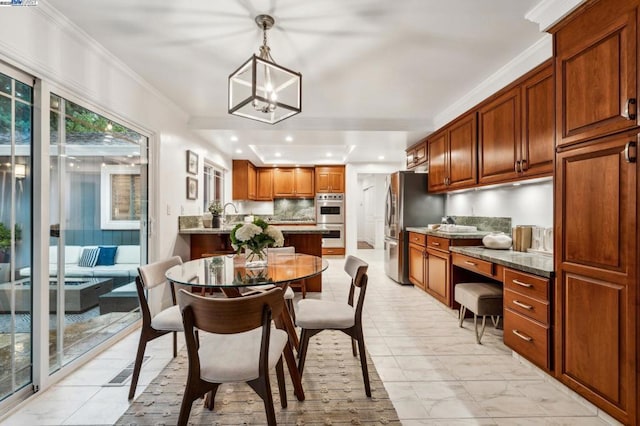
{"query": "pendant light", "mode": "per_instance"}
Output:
(262, 90)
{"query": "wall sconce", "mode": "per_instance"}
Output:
(20, 171)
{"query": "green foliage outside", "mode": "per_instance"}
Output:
(5, 236)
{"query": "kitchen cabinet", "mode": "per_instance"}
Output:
(244, 180)
(452, 155)
(597, 273)
(264, 184)
(293, 182)
(596, 190)
(596, 71)
(527, 316)
(417, 154)
(329, 179)
(516, 130)
(417, 259)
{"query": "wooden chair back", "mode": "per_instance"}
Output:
(231, 315)
(357, 270)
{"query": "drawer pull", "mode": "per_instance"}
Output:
(522, 305)
(520, 283)
(470, 263)
(522, 336)
(435, 244)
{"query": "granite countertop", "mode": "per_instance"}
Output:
(450, 235)
(534, 263)
(286, 229)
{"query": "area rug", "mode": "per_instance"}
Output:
(332, 383)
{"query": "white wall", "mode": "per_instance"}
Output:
(526, 204)
(352, 201)
(42, 42)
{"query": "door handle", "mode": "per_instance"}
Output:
(629, 115)
(522, 336)
(630, 157)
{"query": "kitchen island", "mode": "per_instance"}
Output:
(306, 239)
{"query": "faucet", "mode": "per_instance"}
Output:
(224, 211)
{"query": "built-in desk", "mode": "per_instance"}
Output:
(527, 279)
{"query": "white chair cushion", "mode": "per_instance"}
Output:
(169, 319)
(320, 314)
(288, 293)
(234, 357)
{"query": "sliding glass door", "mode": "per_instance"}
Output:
(16, 112)
(98, 213)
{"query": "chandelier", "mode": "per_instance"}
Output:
(263, 90)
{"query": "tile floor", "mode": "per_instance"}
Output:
(434, 371)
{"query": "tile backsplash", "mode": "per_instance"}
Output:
(483, 223)
(294, 209)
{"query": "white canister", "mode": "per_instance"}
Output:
(497, 240)
(248, 218)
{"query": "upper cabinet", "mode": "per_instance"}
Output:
(596, 54)
(417, 154)
(329, 179)
(264, 184)
(293, 182)
(516, 130)
(244, 180)
(452, 155)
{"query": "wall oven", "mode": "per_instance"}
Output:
(333, 237)
(329, 208)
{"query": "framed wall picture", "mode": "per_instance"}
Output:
(192, 188)
(192, 162)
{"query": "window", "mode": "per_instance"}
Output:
(120, 197)
(213, 185)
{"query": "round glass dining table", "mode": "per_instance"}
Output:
(229, 271)
(229, 274)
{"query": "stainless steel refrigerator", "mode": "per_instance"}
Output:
(407, 204)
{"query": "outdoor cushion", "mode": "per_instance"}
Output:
(89, 257)
(234, 357)
(321, 314)
(107, 255)
(128, 254)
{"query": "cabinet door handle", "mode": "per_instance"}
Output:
(435, 244)
(630, 158)
(520, 283)
(522, 305)
(523, 166)
(515, 166)
(629, 115)
(470, 263)
(522, 336)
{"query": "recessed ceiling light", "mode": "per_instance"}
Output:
(297, 165)
(277, 154)
(238, 151)
(289, 139)
(329, 154)
(234, 139)
(516, 184)
(380, 157)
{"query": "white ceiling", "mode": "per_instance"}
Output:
(375, 72)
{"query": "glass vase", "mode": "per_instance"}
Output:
(255, 258)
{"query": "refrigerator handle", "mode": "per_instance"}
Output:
(388, 207)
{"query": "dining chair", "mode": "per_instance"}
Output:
(160, 314)
(314, 316)
(239, 345)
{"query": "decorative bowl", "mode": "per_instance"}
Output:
(497, 240)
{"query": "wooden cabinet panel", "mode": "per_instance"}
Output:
(417, 265)
(416, 154)
(437, 283)
(417, 238)
(438, 243)
(244, 180)
(264, 178)
(529, 338)
(527, 284)
(527, 306)
(329, 179)
(499, 138)
(284, 182)
(597, 267)
(462, 161)
(538, 124)
(472, 264)
(438, 155)
(596, 63)
(304, 185)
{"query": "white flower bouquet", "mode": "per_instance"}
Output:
(254, 238)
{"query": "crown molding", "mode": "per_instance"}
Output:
(43, 70)
(533, 56)
(548, 12)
